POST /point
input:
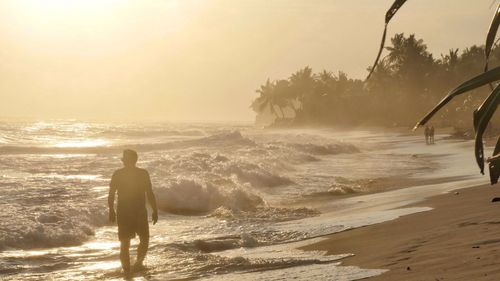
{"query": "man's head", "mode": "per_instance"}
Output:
(129, 158)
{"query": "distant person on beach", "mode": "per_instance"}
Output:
(133, 185)
(427, 134)
(431, 135)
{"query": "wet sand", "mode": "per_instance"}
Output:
(458, 240)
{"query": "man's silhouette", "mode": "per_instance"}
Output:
(133, 185)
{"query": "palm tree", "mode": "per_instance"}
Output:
(409, 58)
(301, 83)
(281, 96)
(450, 60)
(272, 95)
(266, 99)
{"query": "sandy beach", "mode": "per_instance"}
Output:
(459, 239)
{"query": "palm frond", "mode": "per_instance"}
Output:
(490, 38)
(482, 117)
(388, 16)
(494, 171)
(475, 82)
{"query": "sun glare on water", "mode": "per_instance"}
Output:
(82, 143)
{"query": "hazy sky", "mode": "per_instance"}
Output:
(197, 59)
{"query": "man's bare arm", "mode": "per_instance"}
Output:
(152, 200)
(152, 203)
(111, 203)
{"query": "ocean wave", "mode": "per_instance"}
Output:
(52, 228)
(342, 190)
(49, 210)
(343, 186)
(254, 174)
(222, 139)
(217, 168)
(150, 133)
(263, 214)
(325, 149)
(216, 244)
(191, 197)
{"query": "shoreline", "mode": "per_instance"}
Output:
(459, 239)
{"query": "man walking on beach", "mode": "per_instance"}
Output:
(133, 185)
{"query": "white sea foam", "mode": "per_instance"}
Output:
(189, 196)
(48, 227)
(293, 264)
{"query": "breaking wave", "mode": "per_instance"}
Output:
(216, 244)
(191, 197)
(343, 186)
(253, 173)
(54, 228)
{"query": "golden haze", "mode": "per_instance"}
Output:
(195, 59)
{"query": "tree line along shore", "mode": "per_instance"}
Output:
(406, 84)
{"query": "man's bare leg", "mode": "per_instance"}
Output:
(124, 255)
(142, 250)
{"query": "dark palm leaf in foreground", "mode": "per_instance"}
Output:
(388, 16)
(482, 115)
(476, 82)
(490, 38)
(494, 170)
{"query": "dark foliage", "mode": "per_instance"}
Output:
(407, 82)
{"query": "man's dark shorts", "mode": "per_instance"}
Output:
(132, 223)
